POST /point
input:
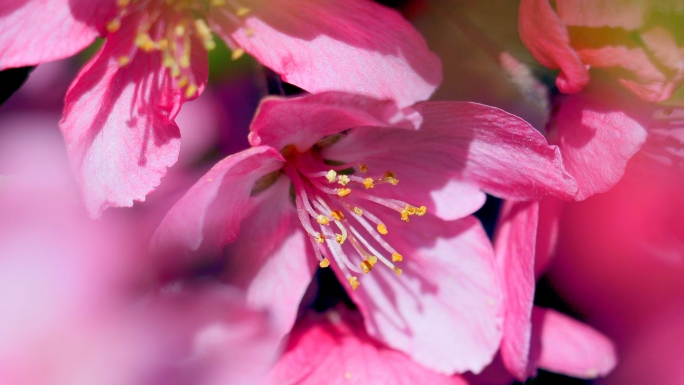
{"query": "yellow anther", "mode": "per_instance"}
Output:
(358, 211)
(184, 61)
(337, 215)
(144, 41)
(218, 3)
(179, 30)
(113, 25)
(202, 28)
(411, 209)
(354, 282)
(322, 219)
(191, 90)
(319, 238)
(366, 266)
(343, 192)
(363, 167)
(175, 70)
(168, 62)
(382, 229)
(162, 44)
(368, 183)
(122, 3)
(373, 260)
(404, 215)
(343, 180)
(331, 175)
(242, 11)
(183, 81)
(390, 175)
(340, 238)
(209, 44)
(421, 211)
(396, 257)
(123, 61)
(324, 263)
(237, 53)
(398, 271)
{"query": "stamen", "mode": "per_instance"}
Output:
(343, 180)
(366, 266)
(123, 61)
(354, 282)
(323, 220)
(331, 175)
(396, 257)
(237, 53)
(324, 263)
(398, 271)
(113, 25)
(242, 12)
(382, 229)
(358, 211)
(363, 168)
(337, 215)
(343, 192)
(368, 183)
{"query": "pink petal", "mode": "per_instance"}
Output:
(444, 310)
(550, 210)
(272, 258)
(353, 46)
(305, 120)
(547, 38)
(334, 349)
(599, 130)
(38, 31)
(119, 124)
(515, 250)
(567, 346)
(476, 146)
(241, 210)
(210, 213)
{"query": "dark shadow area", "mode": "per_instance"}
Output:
(10, 81)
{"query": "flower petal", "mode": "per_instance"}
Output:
(334, 349)
(119, 124)
(474, 145)
(35, 32)
(567, 346)
(305, 120)
(444, 310)
(515, 250)
(241, 210)
(599, 130)
(353, 46)
(547, 38)
(210, 213)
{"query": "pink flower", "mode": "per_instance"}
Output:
(534, 337)
(636, 43)
(334, 348)
(120, 110)
(620, 258)
(598, 130)
(321, 187)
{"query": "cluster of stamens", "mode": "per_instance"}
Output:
(167, 26)
(328, 200)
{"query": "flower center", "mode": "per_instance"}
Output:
(167, 26)
(331, 200)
